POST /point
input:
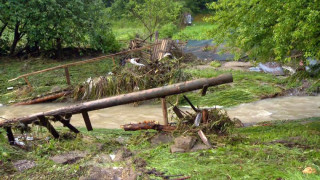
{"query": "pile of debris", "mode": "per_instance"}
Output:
(131, 78)
(203, 123)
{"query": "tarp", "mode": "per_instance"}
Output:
(197, 48)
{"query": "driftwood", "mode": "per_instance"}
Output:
(148, 125)
(126, 98)
(45, 98)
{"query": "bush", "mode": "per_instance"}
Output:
(168, 30)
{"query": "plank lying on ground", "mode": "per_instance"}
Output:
(82, 62)
(45, 98)
(127, 98)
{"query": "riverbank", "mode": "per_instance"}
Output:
(271, 150)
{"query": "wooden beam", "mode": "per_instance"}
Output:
(164, 111)
(27, 81)
(66, 123)
(86, 118)
(10, 135)
(45, 123)
(177, 111)
(66, 72)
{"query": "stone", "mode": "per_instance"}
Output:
(69, 158)
(184, 142)
(23, 165)
(199, 146)
(175, 149)
(122, 154)
(161, 138)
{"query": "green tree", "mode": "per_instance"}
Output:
(280, 30)
(154, 13)
(54, 25)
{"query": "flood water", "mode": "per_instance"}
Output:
(284, 108)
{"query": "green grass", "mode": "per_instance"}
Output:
(250, 157)
(246, 87)
(197, 31)
(247, 153)
(44, 82)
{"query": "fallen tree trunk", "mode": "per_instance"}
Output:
(44, 99)
(148, 125)
(127, 98)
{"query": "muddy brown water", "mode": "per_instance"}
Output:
(284, 108)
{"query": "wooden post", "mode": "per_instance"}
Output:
(66, 71)
(114, 62)
(164, 111)
(45, 123)
(205, 115)
(26, 79)
(10, 135)
(204, 90)
(86, 118)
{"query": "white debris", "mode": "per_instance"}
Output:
(110, 73)
(1, 105)
(290, 69)
(18, 142)
(134, 62)
(169, 55)
(29, 138)
(9, 88)
(112, 156)
(255, 69)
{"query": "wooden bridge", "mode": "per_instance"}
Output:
(64, 115)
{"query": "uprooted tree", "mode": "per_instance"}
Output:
(277, 30)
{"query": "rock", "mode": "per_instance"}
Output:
(23, 165)
(122, 154)
(184, 142)
(68, 158)
(174, 149)
(161, 138)
(199, 146)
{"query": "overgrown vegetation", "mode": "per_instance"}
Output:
(276, 30)
(272, 150)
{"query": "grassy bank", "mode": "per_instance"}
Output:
(45, 82)
(277, 150)
(246, 87)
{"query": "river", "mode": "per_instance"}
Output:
(283, 108)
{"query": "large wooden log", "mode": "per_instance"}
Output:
(127, 98)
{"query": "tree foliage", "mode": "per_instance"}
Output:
(153, 13)
(272, 29)
(56, 24)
